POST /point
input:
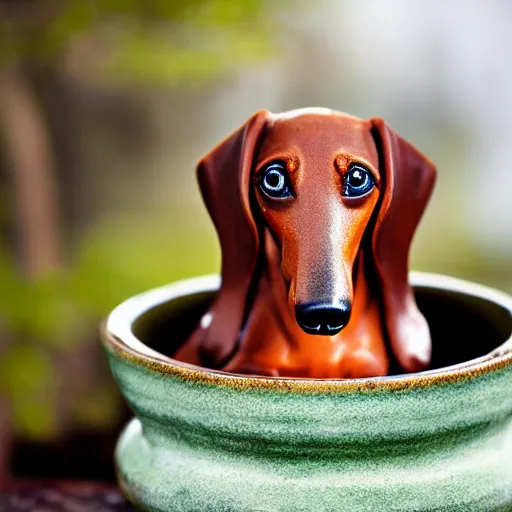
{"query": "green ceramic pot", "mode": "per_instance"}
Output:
(205, 440)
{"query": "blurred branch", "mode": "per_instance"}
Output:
(29, 151)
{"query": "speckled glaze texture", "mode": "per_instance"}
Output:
(204, 440)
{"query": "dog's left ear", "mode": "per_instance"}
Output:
(408, 178)
(224, 178)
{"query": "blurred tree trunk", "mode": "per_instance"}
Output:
(59, 97)
(31, 161)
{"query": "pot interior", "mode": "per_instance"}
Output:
(463, 326)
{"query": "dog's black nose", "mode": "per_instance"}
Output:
(322, 318)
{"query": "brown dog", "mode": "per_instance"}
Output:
(315, 211)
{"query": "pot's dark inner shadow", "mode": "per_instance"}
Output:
(463, 327)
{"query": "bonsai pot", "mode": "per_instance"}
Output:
(205, 440)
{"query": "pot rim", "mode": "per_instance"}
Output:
(118, 336)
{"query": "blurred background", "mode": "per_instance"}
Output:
(106, 106)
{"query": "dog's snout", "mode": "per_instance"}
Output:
(323, 318)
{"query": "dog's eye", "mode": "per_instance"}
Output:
(357, 182)
(274, 181)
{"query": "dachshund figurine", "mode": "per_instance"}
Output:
(315, 212)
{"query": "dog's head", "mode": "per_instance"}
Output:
(321, 180)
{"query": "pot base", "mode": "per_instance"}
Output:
(472, 477)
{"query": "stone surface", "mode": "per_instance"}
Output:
(61, 497)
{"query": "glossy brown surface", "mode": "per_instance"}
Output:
(316, 247)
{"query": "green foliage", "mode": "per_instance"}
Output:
(117, 259)
(29, 378)
(156, 41)
(157, 59)
(125, 256)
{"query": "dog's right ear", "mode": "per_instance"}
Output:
(408, 178)
(224, 178)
